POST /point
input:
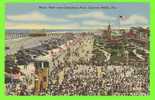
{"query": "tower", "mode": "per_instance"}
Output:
(109, 32)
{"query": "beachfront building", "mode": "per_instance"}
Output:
(41, 76)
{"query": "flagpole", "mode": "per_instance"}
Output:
(119, 22)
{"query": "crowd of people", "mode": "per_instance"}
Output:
(87, 78)
(124, 80)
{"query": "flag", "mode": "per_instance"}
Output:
(123, 17)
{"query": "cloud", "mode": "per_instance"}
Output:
(33, 16)
(135, 20)
(91, 20)
(94, 23)
(94, 15)
(13, 25)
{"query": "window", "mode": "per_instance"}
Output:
(44, 78)
(46, 64)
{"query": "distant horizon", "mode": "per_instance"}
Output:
(84, 29)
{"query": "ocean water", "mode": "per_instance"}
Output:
(64, 30)
(14, 33)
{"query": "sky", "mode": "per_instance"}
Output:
(89, 16)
